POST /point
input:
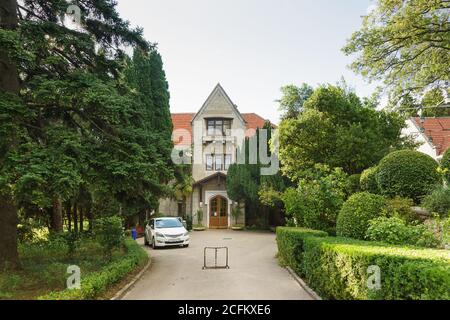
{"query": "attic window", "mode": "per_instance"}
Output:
(218, 127)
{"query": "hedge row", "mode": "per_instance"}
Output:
(337, 268)
(290, 245)
(97, 283)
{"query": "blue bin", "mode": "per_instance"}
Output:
(133, 234)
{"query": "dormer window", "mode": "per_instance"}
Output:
(218, 127)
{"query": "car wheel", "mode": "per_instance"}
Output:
(146, 243)
(153, 243)
(186, 245)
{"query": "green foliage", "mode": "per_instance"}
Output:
(338, 130)
(445, 165)
(438, 201)
(293, 98)
(352, 184)
(236, 213)
(290, 245)
(189, 222)
(407, 173)
(199, 215)
(88, 120)
(356, 212)
(337, 268)
(401, 208)
(395, 231)
(109, 233)
(317, 200)
(368, 180)
(403, 43)
(95, 284)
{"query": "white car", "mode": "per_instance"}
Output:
(166, 232)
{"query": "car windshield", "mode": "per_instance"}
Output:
(168, 223)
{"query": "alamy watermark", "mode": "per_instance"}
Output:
(374, 278)
(74, 280)
(230, 148)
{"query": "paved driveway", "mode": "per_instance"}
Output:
(254, 271)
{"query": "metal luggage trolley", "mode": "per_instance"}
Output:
(216, 249)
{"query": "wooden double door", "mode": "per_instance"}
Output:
(218, 213)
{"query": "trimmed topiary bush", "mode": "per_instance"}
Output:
(407, 173)
(357, 211)
(368, 180)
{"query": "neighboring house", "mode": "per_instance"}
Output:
(433, 134)
(214, 135)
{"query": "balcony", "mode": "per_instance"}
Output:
(219, 139)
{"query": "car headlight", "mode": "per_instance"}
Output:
(185, 234)
(159, 234)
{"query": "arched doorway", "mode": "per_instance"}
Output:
(218, 212)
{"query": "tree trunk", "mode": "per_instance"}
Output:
(81, 219)
(9, 256)
(90, 217)
(57, 218)
(9, 77)
(69, 217)
(9, 82)
(75, 218)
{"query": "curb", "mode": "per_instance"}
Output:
(302, 284)
(119, 295)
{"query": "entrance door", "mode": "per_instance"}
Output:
(218, 213)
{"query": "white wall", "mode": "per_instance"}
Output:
(425, 146)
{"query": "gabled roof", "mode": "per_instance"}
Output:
(217, 175)
(218, 88)
(184, 121)
(437, 130)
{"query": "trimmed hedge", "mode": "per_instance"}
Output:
(368, 180)
(407, 173)
(336, 268)
(357, 211)
(97, 283)
(290, 245)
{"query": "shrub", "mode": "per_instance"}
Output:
(97, 283)
(236, 214)
(445, 165)
(290, 245)
(357, 211)
(401, 208)
(189, 222)
(316, 202)
(199, 215)
(109, 233)
(407, 173)
(337, 268)
(394, 230)
(368, 181)
(352, 184)
(438, 201)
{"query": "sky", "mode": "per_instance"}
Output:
(251, 47)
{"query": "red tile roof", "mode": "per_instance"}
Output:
(438, 129)
(182, 126)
